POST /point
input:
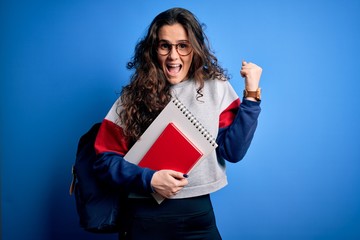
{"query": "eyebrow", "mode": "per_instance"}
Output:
(178, 41)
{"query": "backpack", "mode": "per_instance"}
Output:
(101, 208)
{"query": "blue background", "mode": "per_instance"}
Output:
(63, 64)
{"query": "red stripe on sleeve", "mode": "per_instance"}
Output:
(228, 115)
(111, 139)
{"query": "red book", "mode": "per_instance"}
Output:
(172, 150)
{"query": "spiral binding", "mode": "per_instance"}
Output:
(195, 122)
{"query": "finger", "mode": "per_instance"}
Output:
(177, 175)
(176, 190)
(244, 63)
(182, 183)
(243, 73)
(248, 66)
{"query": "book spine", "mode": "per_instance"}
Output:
(195, 122)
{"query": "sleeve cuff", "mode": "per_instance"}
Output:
(250, 103)
(148, 174)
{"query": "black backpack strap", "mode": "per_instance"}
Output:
(89, 136)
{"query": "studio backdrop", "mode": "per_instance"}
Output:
(63, 64)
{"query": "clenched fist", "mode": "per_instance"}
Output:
(252, 73)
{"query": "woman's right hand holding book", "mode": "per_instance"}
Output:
(168, 183)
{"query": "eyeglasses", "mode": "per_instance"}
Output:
(183, 48)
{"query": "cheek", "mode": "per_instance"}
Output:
(189, 61)
(160, 60)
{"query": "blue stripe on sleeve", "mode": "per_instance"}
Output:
(235, 139)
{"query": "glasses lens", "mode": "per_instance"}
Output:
(164, 48)
(183, 48)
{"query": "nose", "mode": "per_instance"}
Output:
(173, 53)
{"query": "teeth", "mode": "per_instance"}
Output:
(174, 65)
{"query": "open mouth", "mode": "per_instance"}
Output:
(173, 68)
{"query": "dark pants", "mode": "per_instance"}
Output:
(173, 219)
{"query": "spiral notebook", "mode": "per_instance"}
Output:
(175, 140)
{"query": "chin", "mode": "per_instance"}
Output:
(175, 80)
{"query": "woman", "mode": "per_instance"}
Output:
(174, 60)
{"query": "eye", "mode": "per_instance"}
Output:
(165, 46)
(183, 45)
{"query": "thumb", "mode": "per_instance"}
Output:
(244, 62)
(177, 175)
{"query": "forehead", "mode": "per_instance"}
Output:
(173, 33)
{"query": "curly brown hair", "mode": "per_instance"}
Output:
(149, 91)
